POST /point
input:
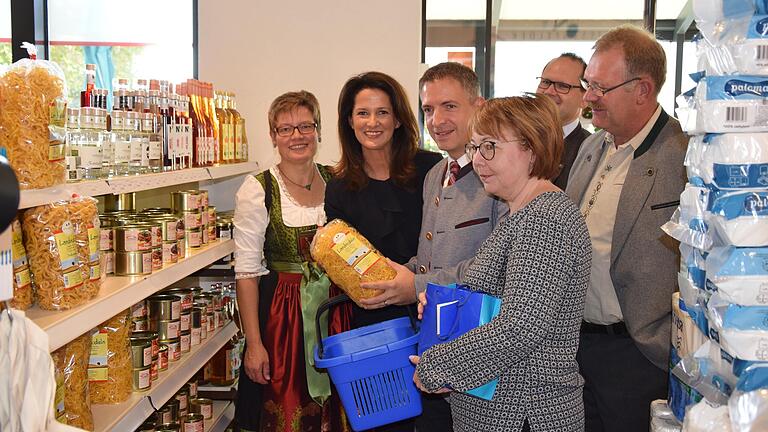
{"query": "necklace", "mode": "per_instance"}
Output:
(307, 186)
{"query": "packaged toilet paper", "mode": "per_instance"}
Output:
(732, 103)
(746, 54)
(740, 276)
(748, 406)
(728, 161)
(688, 222)
(739, 218)
(723, 21)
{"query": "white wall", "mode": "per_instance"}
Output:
(260, 49)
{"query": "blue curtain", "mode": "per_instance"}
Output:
(101, 56)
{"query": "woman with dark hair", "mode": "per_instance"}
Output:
(377, 187)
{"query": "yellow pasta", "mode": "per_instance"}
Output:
(85, 218)
(32, 108)
(109, 368)
(349, 258)
(71, 361)
(22, 278)
(58, 272)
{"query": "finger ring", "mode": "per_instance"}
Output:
(385, 302)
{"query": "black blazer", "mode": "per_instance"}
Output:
(572, 144)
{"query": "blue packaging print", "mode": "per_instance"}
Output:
(758, 27)
(732, 205)
(740, 175)
(743, 262)
(739, 87)
(739, 317)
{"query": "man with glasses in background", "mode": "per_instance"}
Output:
(458, 214)
(627, 180)
(561, 81)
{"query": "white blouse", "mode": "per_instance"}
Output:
(251, 221)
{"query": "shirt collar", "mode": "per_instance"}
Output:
(463, 160)
(638, 139)
(570, 127)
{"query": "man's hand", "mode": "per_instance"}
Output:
(398, 291)
(415, 360)
(257, 363)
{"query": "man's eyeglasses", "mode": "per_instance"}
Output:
(600, 92)
(304, 129)
(487, 149)
(560, 87)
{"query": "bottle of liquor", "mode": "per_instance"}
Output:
(223, 118)
(214, 152)
(238, 126)
(90, 84)
(72, 145)
(153, 144)
(121, 145)
(90, 144)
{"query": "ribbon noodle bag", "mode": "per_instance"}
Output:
(451, 311)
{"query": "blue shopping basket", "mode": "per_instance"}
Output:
(370, 368)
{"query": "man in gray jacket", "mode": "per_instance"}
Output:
(627, 179)
(457, 215)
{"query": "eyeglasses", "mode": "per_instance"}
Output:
(487, 149)
(560, 87)
(304, 129)
(600, 92)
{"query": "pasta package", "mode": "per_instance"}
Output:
(349, 259)
(32, 122)
(58, 271)
(109, 365)
(22, 278)
(85, 219)
(73, 403)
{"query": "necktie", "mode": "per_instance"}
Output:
(454, 168)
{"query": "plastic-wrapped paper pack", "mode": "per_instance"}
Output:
(746, 54)
(687, 223)
(731, 103)
(707, 372)
(739, 218)
(750, 345)
(707, 417)
(739, 276)
(723, 21)
(665, 425)
(748, 405)
(728, 161)
(687, 337)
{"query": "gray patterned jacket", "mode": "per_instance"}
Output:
(538, 262)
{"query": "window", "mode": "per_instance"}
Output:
(524, 36)
(140, 39)
(5, 32)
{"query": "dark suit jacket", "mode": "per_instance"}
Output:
(644, 260)
(572, 144)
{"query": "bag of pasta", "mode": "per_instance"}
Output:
(349, 258)
(109, 367)
(32, 121)
(22, 279)
(85, 218)
(73, 403)
(58, 271)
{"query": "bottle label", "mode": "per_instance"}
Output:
(136, 150)
(122, 151)
(145, 152)
(155, 150)
(90, 156)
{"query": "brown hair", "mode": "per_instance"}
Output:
(287, 102)
(405, 141)
(462, 74)
(642, 52)
(534, 119)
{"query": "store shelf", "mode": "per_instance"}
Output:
(129, 415)
(36, 197)
(120, 292)
(218, 392)
(223, 414)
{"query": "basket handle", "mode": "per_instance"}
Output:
(324, 306)
(341, 298)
